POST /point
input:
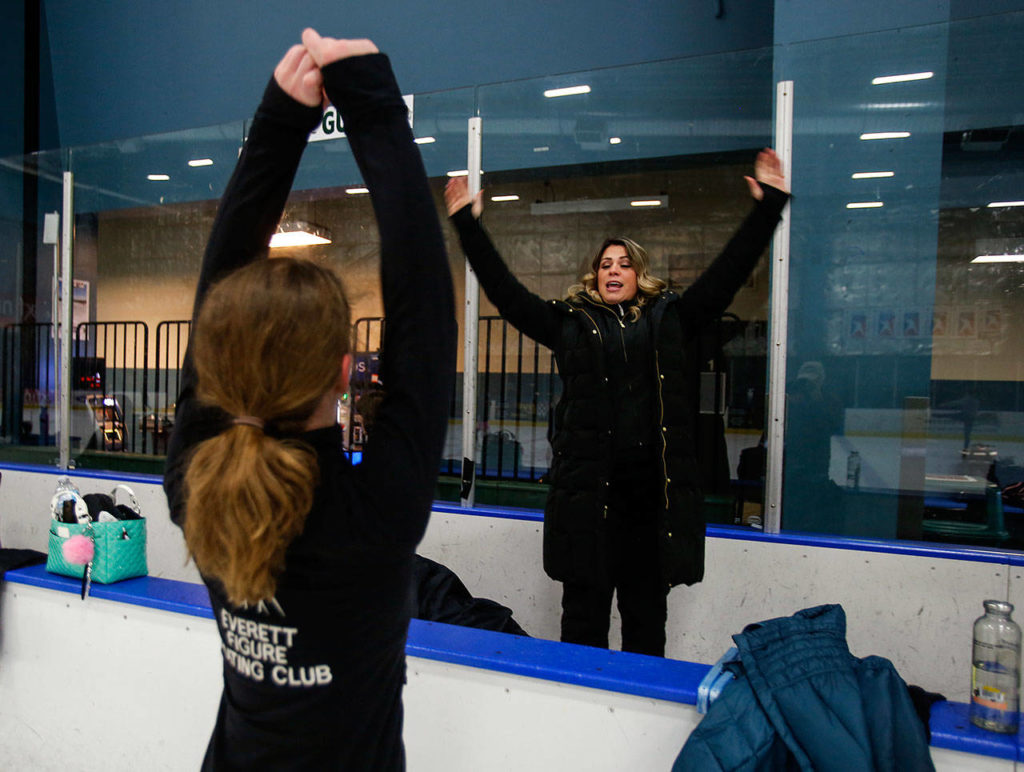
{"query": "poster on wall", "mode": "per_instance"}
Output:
(911, 324)
(886, 324)
(966, 323)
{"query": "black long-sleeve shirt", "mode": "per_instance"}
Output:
(314, 680)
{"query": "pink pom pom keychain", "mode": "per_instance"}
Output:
(78, 550)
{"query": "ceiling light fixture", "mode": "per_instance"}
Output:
(357, 191)
(505, 198)
(886, 135)
(424, 140)
(901, 78)
(871, 175)
(298, 233)
(460, 173)
(1001, 204)
(998, 259)
(896, 105)
(195, 162)
(158, 177)
(865, 205)
(597, 205)
(614, 140)
(551, 93)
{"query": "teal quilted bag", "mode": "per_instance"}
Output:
(119, 545)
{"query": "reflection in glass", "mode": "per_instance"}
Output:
(915, 431)
(27, 367)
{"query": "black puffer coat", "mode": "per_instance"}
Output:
(575, 517)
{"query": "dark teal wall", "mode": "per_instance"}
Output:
(12, 142)
(126, 68)
(12, 64)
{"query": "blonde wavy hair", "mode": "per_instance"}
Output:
(268, 343)
(648, 286)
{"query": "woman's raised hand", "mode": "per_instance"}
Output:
(328, 50)
(767, 169)
(456, 196)
(299, 77)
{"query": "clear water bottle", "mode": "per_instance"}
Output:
(853, 470)
(995, 669)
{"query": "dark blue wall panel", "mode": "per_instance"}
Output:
(12, 64)
(126, 68)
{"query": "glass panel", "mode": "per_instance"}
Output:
(904, 384)
(561, 174)
(328, 194)
(685, 107)
(143, 209)
(28, 419)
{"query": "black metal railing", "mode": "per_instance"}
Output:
(518, 388)
(27, 384)
(517, 385)
(124, 391)
(169, 355)
(109, 379)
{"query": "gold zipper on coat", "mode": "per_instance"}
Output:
(597, 329)
(661, 424)
(622, 325)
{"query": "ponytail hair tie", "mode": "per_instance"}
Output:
(248, 420)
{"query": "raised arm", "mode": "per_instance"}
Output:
(402, 458)
(708, 297)
(254, 198)
(527, 312)
(246, 218)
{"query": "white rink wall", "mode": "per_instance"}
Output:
(914, 609)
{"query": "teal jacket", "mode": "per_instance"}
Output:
(801, 701)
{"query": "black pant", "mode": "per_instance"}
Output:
(634, 576)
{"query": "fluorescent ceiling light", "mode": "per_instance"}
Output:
(897, 105)
(505, 198)
(865, 205)
(597, 204)
(298, 233)
(1000, 204)
(614, 140)
(871, 175)
(356, 191)
(886, 135)
(424, 140)
(201, 162)
(568, 91)
(901, 78)
(541, 149)
(460, 173)
(158, 177)
(998, 259)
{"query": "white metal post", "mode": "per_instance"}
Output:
(51, 235)
(66, 243)
(779, 317)
(470, 335)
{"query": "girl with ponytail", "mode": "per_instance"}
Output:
(308, 559)
(285, 356)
